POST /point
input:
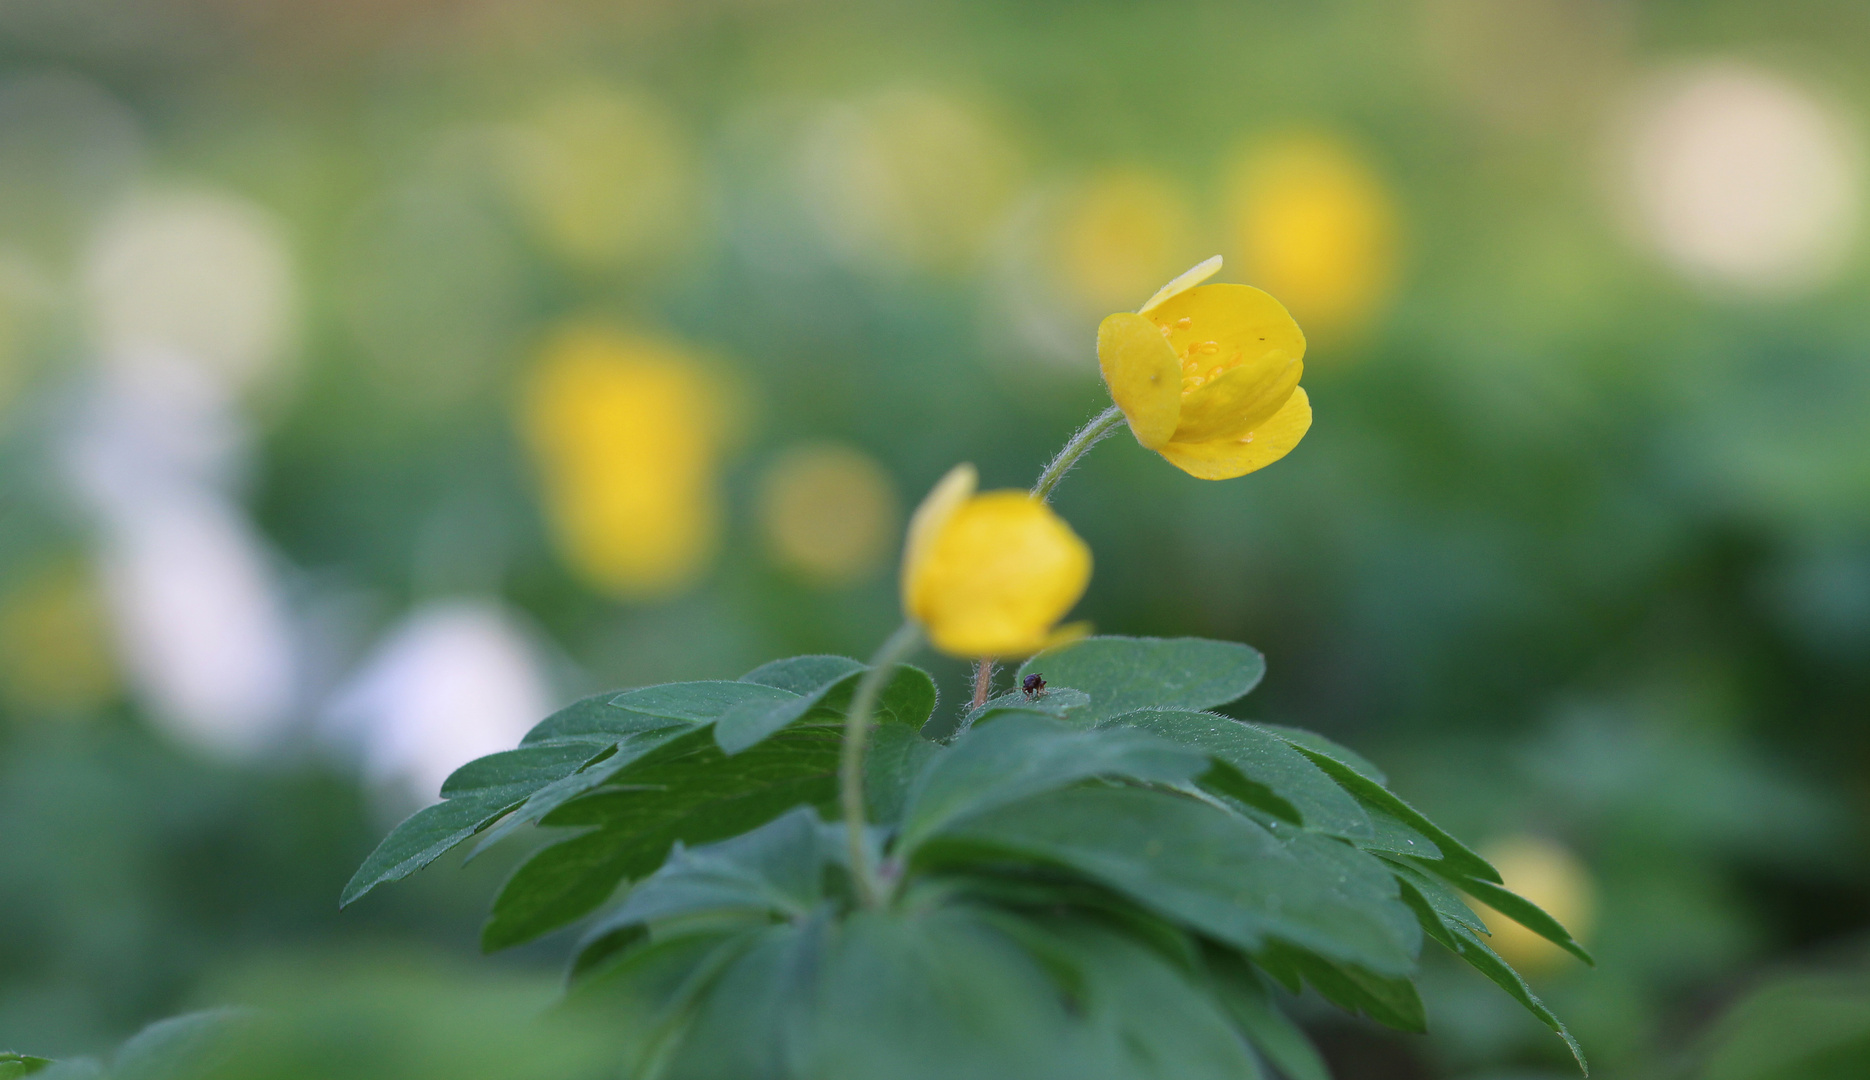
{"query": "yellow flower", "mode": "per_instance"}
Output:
(990, 575)
(627, 434)
(1317, 227)
(1208, 375)
(828, 512)
(1122, 232)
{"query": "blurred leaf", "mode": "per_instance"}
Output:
(688, 790)
(182, 1047)
(16, 1065)
(1463, 942)
(1151, 1019)
(1267, 762)
(1024, 755)
(1124, 674)
(1389, 1000)
(897, 755)
(1272, 1033)
(1802, 1027)
(1211, 869)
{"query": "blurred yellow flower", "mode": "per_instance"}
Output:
(910, 177)
(990, 575)
(828, 512)
(1549, 876)
(1316, 226)
(627, 433)
(54, 644)
(604, 178)
(1208, 375)
(1122, 232)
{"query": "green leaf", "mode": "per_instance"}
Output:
(1313, 741)
(1266, 761)
(181, 1047)
(1213, 870)
(1525, 913)
(897, 755)
(910, 996)
(697, 702)
(803, 674)
(1463, 942)
(1058, 702)
(1395, 838)
(1455, 855)
(1271, 1032)
(648, 993)
(477, 794)
(1149, 1017)
(776, 869)
(1389, 1000)
(1447, 904)
(687, 790)
(630, 748)
(1024, 755)
(1124, 674)
(906, 699)
(594, 720)
(16, 1065)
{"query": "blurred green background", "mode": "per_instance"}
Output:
(376, 376)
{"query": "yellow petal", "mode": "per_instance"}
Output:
(1144, 378)
(926, 524)
(1183, 282)
(1000, 573)
(1224, 459)
(1239, 399)
(1224, 325)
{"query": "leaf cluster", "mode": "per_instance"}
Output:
(1104, 879)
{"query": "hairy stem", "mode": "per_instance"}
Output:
(1088, 436)
(851, 764)
(983, 682)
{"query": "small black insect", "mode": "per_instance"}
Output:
(1034, 685)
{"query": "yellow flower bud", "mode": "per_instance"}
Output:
(990, 575)
(1208, 375)
(627, 433)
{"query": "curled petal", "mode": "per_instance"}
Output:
(1183, 282)
(925, 525)
(1239, 399)
(1226, 458)
(1143, 375)
(1228, 323)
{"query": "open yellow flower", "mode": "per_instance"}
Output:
(1208, 375)
(991, 574)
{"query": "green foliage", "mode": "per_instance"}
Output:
(14, 1065)
(1096, 880)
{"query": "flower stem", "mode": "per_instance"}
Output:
(1088, 436)
(983, 681)
(851, 765)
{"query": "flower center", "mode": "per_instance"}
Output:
(1200, 359)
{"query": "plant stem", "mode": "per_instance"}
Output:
(1088, 436)
(983, 681)
(851, 764)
